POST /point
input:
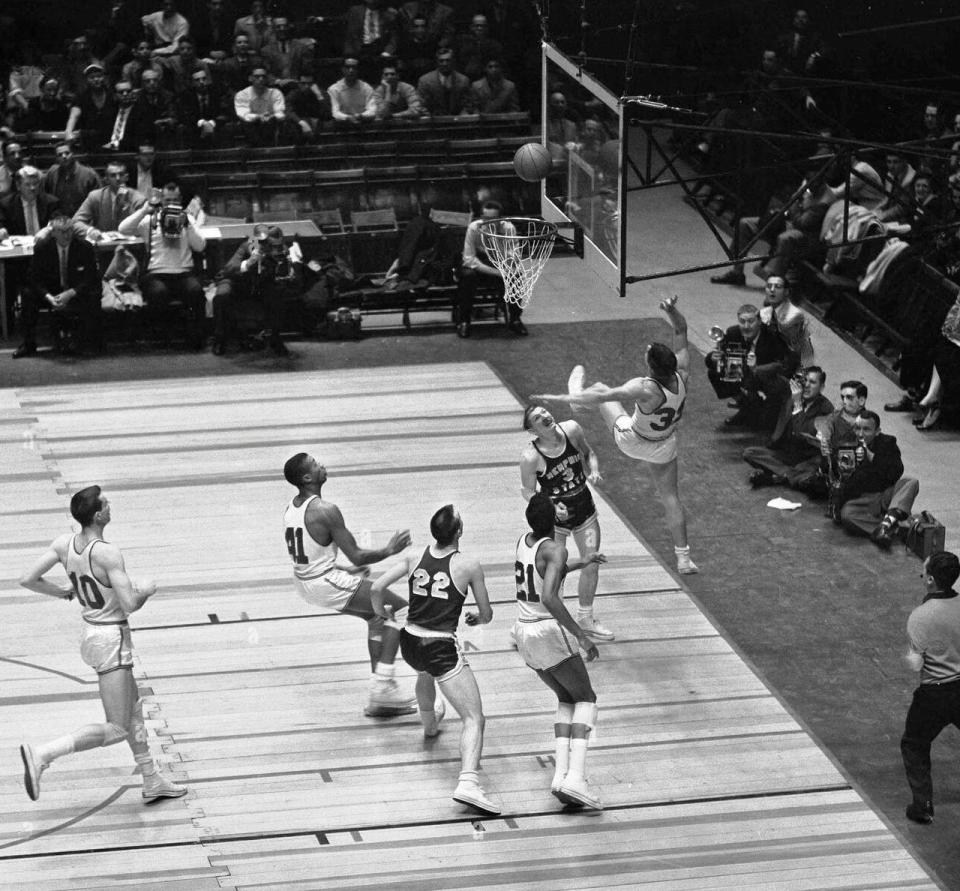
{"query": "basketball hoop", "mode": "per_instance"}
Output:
(519, 248)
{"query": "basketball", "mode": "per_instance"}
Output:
(532, 162)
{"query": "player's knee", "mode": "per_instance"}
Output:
(564, 713)
(113, 734)
(585, 713)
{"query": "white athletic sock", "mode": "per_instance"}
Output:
(56, 748)
(384, 670)
(584, 612)
(578, 758)
(146, 764)
(561, 757)
(682, 552)
(469, 777)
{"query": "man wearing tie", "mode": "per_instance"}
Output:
(64, 277)
(23, 212)
(445, 91)
(370, 35)
(103, 209)
(121, 123)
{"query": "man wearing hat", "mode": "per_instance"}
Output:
(933, 630)
(94, 112)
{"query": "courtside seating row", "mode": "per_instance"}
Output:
(297, 194)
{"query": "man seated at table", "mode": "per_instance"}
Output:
(171, 238)
(103, 209)
(64, 277)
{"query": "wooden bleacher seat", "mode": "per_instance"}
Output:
(392, 187)
(343, 190)
(329, 222)
(422, 151)
(286, 190)
(232, 194)
(275, 216)
(473, 150)
(443, 185)
(374, 220)
(455, 218)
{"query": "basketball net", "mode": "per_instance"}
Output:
(519, 248)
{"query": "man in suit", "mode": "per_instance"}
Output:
(64, 276)
(793, 455)
(145, 172)
(103, 209)
(256, 27)
(287, 58)
(152, 118)
(764, 365)
(233, 73)
(370, 35)
(69, 180)
(445, 91)
(494, 93)
(204, 112)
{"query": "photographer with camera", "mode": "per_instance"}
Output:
(267, 269)
(793, 455)
(872, 494)
(170, 237)
(752, 363)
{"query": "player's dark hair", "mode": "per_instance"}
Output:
(444, 525)
(295, 468)
(527, 412)
(85, 504)
(871, 416)
(944, 567)
(661, 360)
(857, 386)
(818, 371)
(541, 515)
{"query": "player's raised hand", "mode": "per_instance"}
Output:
(401, 539)
(597, 558)
(594, 477)
(668, 304)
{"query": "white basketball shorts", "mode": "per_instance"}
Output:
(106, 648)
(332, 590)
(544, 644)
(661, 451)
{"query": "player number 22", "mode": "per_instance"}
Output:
(422, 579)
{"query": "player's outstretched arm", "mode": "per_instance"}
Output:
(555, 557)
(478, 585)
(528, 472)
(575, 564)
(575, 432)
(393, 573)
(595, 394)
(681, 346)
(110, 560)
(329, 518)
(34, 579)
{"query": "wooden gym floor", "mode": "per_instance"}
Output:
(254, 698)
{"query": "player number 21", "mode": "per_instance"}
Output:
(294, 538)
(422, 578)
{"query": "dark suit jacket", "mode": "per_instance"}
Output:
(353, 31)
(141, 124)
(297, 60)
(773, 355)
(161, 175)
(82, 272)
(11, 212)
(799, 431)
(188, 107)
(462, 100)
(880, 473)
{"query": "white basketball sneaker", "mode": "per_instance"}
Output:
(594, 629)
(387, 700)
(433, 729)
(473, 796)
(32, 769)
(577, 379)
(576, 790)
(159, 785)
(686, 566)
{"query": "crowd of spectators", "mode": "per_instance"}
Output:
(832, 207)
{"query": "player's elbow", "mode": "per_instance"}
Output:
(27, 581)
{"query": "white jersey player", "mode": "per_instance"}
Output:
(648, 432)
(99, 581)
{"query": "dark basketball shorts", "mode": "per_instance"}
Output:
(439, 657)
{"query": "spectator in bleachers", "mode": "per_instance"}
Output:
(12, 162)
(48, 113)
(26, 77)
(233, 285)
(352, 100)
(213, 29)
(792, 457)
(593, 136)
(234, 71)
(258, 26)
(153, 117)
(164, 28)
(308, 105)
(396, 98)
(179, 68)
(261, 110)
(800, 46)
(370, 35)
(780, 314)
(927, 212)
(142, 60)
(752, 364)
(204, 112)
(69, 180)
(125, 97)
(105, 208)
(446, 91)
(93, 113)
(943, 393)
(493, 92)
(416, 50)
(73, 71)
(64, 277)
(477, 267)
(287, 57)
(8, 117)
(476, 47)
(516, 27)
(171, 238)
(561, 129)
(122, 31)
(438, 19)
(898, 186)
(145, 172)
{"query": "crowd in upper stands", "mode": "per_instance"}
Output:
(872, 206)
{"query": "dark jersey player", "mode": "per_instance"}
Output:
(553, 463)
(439, 580)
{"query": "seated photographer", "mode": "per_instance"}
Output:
(170, 237)
(752, 363)
(873, 495)
(793, 455)
(63, 276)
(269, 271)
